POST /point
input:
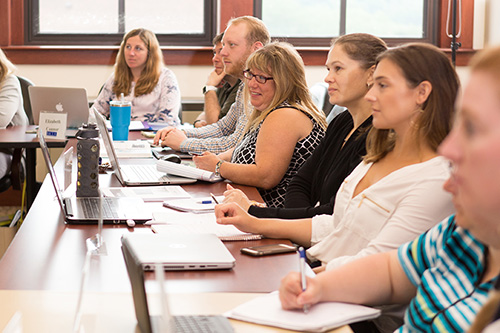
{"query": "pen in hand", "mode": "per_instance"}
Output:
(213, 197)
(302, 263)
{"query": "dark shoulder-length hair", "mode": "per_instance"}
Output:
(420, 62)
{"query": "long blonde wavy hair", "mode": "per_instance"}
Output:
(151, 73)
(6, 67)
(282, 62)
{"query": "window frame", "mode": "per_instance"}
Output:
(13, 44)
(431, 27)
(33, 37)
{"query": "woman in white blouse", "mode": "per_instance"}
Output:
(143, 79)
(396, 192)
(11, 106)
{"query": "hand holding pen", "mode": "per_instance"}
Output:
(302, 263)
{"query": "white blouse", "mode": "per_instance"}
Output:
(161, 105)
(393, 211)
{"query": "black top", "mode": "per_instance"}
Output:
(322, 174)
(226, 95)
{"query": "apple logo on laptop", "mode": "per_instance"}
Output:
(59, 107)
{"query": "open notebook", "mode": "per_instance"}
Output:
(267, 310)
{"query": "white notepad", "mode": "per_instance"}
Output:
(148, 193)
(197, 223)
(267, 310)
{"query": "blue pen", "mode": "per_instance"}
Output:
(302, 265)
(206, 202)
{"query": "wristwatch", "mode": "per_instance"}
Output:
(217, 168)
(208, 88)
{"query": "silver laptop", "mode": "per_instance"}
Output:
(90, 210)
(135, 174)
(164, 322)
(73, 101)
(179, 251)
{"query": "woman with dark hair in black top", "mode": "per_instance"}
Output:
(312, 190)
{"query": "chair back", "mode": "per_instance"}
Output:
(25, 83)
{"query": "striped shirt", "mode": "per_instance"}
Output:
(220, 136)
(446, 264)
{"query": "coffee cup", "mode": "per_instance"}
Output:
(120, 119)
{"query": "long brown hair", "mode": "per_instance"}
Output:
(420, 62)
(281, 61)
(151, 73)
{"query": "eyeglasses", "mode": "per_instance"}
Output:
(259, 78)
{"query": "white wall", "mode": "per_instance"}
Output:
(192, 78)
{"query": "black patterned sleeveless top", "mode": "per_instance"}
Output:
(244, 153)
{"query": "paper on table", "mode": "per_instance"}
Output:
(147, 193)
(197, 223)
(135, 125)
(266, 310)
(186, 171)
(193, 205)
(129, 149)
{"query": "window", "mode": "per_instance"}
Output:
(314, 23)
(66, 22)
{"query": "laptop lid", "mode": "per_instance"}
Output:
(165, 322)
(73, 101)
(80, 210)
(180, 251)
(126, 179)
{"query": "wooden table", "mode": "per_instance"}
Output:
(25, 137)
(47, 254)
(53, 312)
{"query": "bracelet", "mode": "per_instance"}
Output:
(217, 168)
(194, 122)
(208, 88)
(258, 204)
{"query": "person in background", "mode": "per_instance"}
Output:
(141, 76)
(219, 91)
(243, 36)
(396, 193)
(11, 106)
(283, 130)
(447, 272)
(350, 65)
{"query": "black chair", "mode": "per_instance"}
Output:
(25, 83)
(15, 176)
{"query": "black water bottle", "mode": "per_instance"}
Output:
(87, 150)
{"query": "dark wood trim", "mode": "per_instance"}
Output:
(92, 55)
(234, 8)
(175, 56)
(467, 26)
(12, 40)
(5, 15)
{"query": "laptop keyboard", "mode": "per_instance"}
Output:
(146, 173)
(91, 208)
(202, 324)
